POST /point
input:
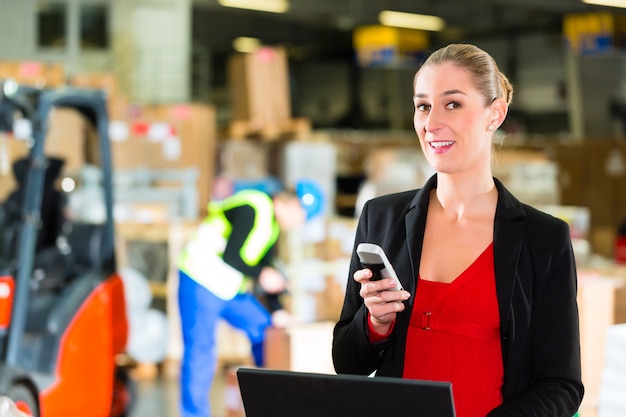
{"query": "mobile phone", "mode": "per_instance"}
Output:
(373, 258)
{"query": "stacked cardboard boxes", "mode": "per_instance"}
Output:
(611, 402)
(11, 150)
(601, 302)
(34, 73)
(117, 102)
(260, 96)
(70, 137)
(593, 174)
(259, 85)
(169, 137)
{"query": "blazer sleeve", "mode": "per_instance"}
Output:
(352, 351)
(548, 370)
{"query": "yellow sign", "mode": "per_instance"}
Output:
(383, 44)
(593, 32)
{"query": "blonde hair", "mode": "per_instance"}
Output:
(488, 79)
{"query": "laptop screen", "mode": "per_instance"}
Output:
(278, 393)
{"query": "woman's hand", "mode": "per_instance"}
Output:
(381, 298)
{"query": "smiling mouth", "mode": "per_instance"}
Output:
(440, 144)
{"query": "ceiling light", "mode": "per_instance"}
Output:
(246, 45)
(610, 3)
(411, 21)
(273, 6)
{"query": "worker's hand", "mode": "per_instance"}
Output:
(281, 319)
(272, 281)
(381, 298)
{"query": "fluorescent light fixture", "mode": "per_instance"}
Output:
(411, 21)
(610, 3)
(273, 6)
(246, 45)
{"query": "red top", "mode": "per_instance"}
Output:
(454, 335)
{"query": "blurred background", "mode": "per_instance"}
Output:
(206, 97)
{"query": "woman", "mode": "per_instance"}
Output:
(490, 283)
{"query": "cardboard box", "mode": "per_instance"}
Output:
(72, 138)
(529, 174)
(304, 347)
(117, 102)
(330, 301)
(611, 401)
(597, 299)
(591, 174)
(339, 242)
(603, 239)
(171, 137)
(243, 159)
(105, 81)
(259, 87)
(318, 267)
(34, 73)
(232, 394)
(10, 151)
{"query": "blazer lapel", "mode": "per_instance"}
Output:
(507, 243)
(508, 233)
(415, 224)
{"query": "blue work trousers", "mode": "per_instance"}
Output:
(200, 311)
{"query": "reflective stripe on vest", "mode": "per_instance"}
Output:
(208, 244)
(265, 229)
(261, 238)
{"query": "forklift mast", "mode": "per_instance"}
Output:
(36, 105)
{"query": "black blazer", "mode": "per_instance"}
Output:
(536, 286)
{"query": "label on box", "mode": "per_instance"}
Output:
(172, 149)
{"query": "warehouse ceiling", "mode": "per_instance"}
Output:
(324, 26)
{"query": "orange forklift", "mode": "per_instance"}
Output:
(63, 321)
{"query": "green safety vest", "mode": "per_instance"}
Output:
(213, 233)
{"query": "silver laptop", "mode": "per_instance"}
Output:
(278, 393)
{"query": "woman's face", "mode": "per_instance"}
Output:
(451, 120)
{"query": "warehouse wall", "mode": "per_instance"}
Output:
(149, 45)
(18, 31)
(151, 56)
(602, 79)
(535, 63)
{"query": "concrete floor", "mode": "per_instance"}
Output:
(157, 395)
(156, 398)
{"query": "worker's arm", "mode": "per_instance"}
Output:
(242, 221)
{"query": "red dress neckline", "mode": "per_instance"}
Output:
(454, 335)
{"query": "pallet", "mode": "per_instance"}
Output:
(298, 128)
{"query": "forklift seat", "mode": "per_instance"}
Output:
(85, 241)
(80, 277)
(49, 314)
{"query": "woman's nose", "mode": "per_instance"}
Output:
(433, 121)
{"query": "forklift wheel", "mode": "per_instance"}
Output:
(124, 394)
(24, 399)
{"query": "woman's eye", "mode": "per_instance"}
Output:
(422, 107)
(453, 105)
